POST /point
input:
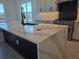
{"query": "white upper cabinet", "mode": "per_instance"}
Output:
(46, 5)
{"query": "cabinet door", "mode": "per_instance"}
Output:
(28, 49)
(10, 38)
(76, 31)
(13, 41)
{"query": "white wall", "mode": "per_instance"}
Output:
(34, 9)
(11, 10)
(1, 1)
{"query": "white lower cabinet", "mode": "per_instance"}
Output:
(1, 37)
(76, 31)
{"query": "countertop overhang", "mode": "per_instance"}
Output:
(35, 34)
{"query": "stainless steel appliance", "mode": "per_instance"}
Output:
(67, 15)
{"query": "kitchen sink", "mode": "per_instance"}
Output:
(31, 24)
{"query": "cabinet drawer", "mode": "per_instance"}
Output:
(28, 49)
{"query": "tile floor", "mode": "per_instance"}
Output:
(72, 50)
(6, 52)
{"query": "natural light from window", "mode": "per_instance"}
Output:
(27, 10)
(2, 13)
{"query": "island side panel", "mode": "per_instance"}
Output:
(54, 47)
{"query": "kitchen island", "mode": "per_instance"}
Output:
(42, 41)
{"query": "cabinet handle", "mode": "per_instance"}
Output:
(17, 42)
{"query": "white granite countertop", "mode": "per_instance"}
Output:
(35, 34)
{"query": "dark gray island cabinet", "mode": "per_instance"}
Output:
(25, 48)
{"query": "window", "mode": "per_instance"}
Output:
(1, 8)
(26, 12)
(29, 7)
(2, 15)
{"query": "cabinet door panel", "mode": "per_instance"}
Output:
(28, 49)
(9, 38)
